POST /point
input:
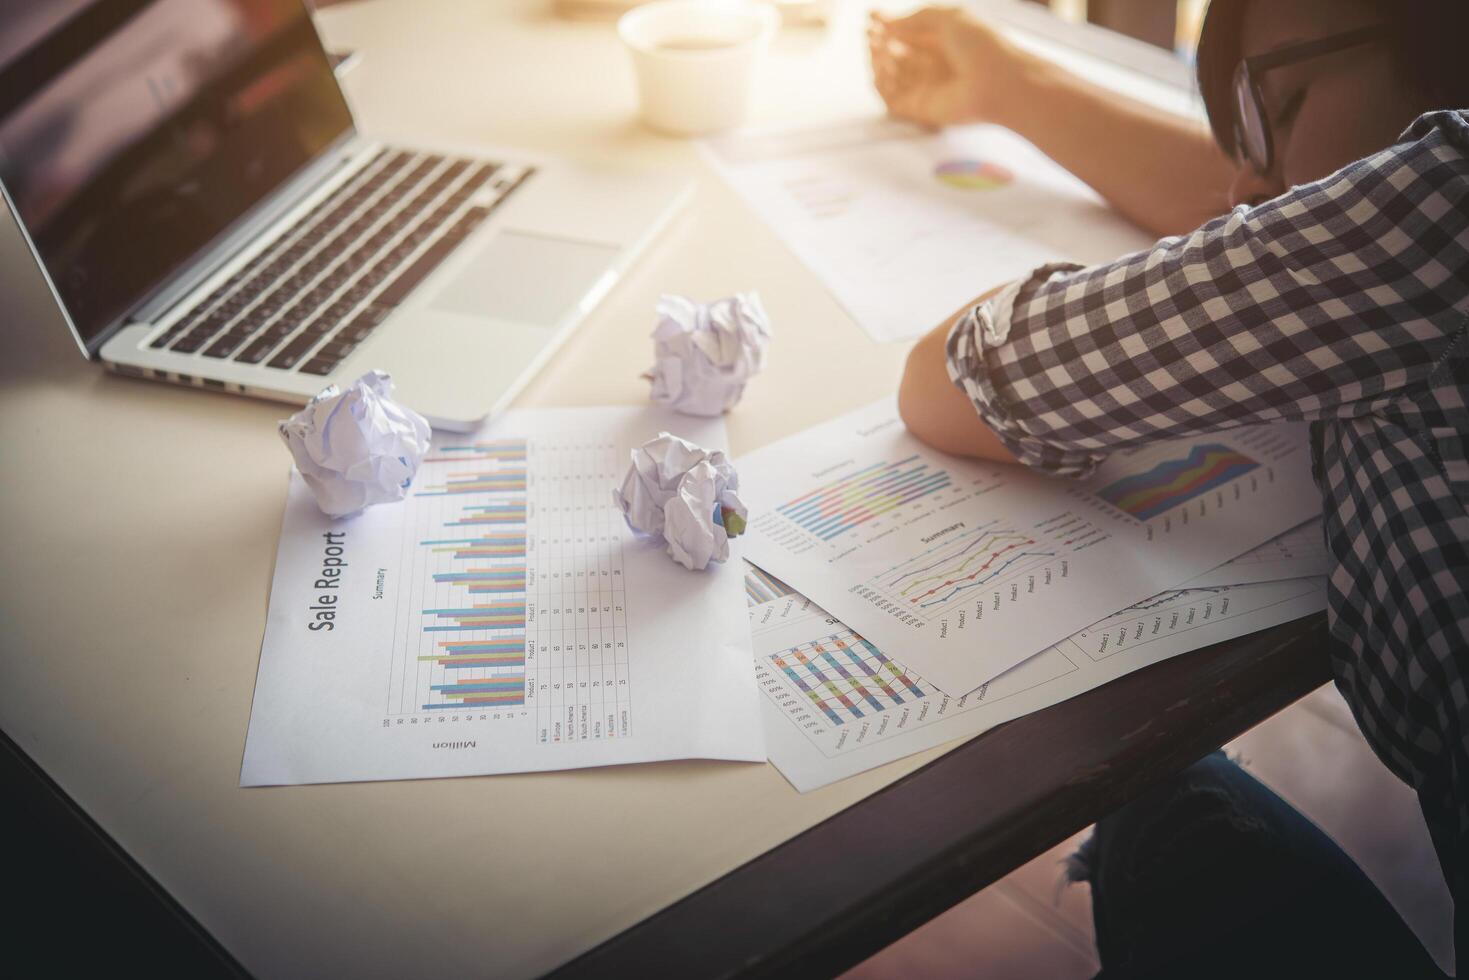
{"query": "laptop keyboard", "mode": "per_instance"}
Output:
(323, 286)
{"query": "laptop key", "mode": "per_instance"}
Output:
(257, 350)
(226, 345)
(293, 352)
(408, 279)
(336, 349)
(318, 366)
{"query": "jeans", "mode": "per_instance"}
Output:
(1212, 875)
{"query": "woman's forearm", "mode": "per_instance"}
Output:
(1164, 173)
(935, 410)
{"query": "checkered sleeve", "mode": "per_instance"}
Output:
(1328, 302)
(1345, 302)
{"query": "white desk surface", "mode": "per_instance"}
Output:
(140, 525)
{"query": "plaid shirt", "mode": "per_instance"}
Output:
(1345, 302)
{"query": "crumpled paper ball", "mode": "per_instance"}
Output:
(356, 447)
(703, 355)
(685, 495)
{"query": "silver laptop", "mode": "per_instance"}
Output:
(187, 176)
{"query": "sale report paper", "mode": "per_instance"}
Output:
(836, 704)
(502, 618)
(965, 568)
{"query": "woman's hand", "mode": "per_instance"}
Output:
(940, 67)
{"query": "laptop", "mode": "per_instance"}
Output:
(189, 182)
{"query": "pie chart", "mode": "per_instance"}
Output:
(972, 175)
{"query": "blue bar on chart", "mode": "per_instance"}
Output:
(501, 450)
(506, 615)
(495, 579)
(466, 654)
(511, 512)
(488, 692)
(509, 544)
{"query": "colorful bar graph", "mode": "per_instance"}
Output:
(502, 545)
(503, 450)
(496, 481)
(760, 586)
(836, 508)
(802, 684)
(1177, 481)
(512, 512)
(891, 668)
(461, 654)
(494, 692)
(508, 615)
(505, 578)
(846, 677)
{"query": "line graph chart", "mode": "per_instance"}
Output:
(973, 561)
(982, 559)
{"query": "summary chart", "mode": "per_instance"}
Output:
(969, 567)
(522, 604)
(500, 618)
(836, 704)
(990, 556)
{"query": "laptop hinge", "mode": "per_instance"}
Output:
(246, 231)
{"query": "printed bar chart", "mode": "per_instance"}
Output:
(1176, 481)
(837, 508)
(509, 578)
(846, 677)
(479, 653)
(507, 615)
(760, 586)
(497, 692)
(512, 512)
(496, 481)
(498, 629)
(504, 545)
(503, 450)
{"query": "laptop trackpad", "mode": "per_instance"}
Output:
(524, 278)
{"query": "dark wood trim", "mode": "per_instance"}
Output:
(832, 896)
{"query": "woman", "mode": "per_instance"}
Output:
(1335, 290)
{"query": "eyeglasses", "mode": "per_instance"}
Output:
(1252, 141)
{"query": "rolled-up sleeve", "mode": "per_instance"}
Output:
(1329, 302)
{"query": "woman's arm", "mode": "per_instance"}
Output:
(1331, 301)
(941, 66)
(934, 409)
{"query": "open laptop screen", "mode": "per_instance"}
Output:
(134, 132)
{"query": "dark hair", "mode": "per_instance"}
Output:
(1427, 39)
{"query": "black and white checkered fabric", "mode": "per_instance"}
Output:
(1346, 302)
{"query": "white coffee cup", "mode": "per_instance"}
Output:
(695, 59)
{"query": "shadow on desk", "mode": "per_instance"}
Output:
(79, 906)
(853, 884)
(803, 909)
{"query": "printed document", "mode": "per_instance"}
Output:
(837, 704)
(967, 567)
(500, 619)
(904, 226)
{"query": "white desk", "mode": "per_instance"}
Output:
(140, 524)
